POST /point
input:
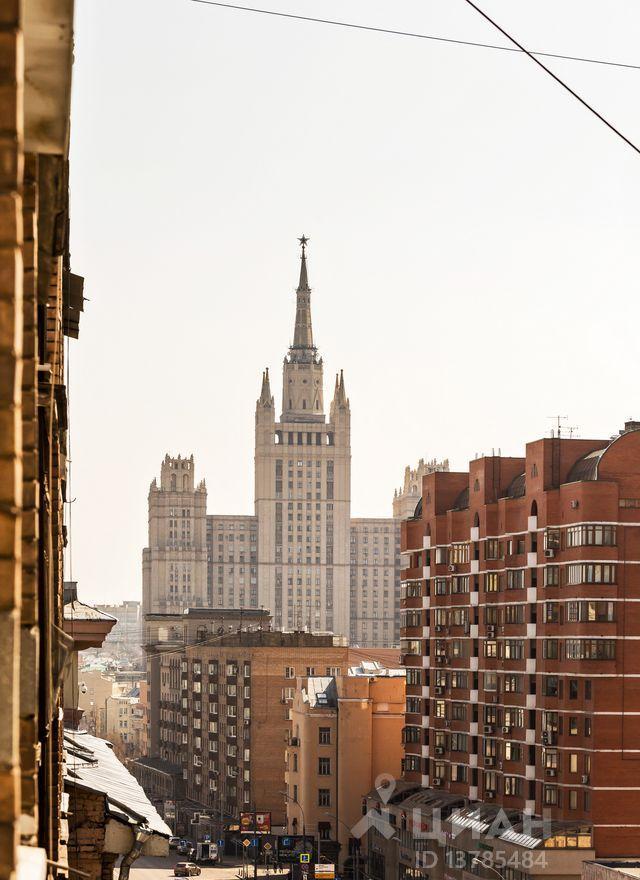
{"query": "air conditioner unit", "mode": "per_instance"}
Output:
(438, 690)
(491, 631)
(447, 722)
(506, 729)
(490, 795)
(439, 628)
(549, 553)
(489, 762)
(551, 771)
(438, 750)
(437, 781)
(575, 505)
(295, 741)
(492, 699)
(585, 780)
(488, 728)
(452, 568)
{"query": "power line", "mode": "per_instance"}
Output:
(415, 35)
(553, 75)
(516, 44)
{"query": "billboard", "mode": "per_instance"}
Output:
(255, 823)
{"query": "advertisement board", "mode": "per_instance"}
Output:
(255, 823)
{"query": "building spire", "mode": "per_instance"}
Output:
(265, 394)
(303, 348)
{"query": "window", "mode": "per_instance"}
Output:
(550, 795)
(590, 649)
(324, 766)
(511, 786)
(551, 685)
(491, 582)
(573, 688)
(324, 736)
(573, 762)
(512, 751)
(590, 612)
(515, 579)
(550, 649)
(514, 649)
(551, 575)
(591, 535)
(591, 573)
(492, 549)
(324, 797)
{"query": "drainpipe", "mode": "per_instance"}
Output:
(141, 835)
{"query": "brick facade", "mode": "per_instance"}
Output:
(521, 634)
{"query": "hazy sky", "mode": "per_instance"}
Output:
(474, 241)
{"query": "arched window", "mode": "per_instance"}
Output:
(476, 520)
(534, 508)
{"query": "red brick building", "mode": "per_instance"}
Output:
(521, 637)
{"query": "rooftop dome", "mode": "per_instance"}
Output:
(517, 487)
(462, 501)
(586, 468)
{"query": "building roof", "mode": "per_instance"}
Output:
(462, 501)
(373, 668)
(77, 610)
(92, 764)
(517, 488)
(629, 867)
(321, 692)
(586, 468)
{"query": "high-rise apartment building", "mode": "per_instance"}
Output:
(300, 556)
(520, 634)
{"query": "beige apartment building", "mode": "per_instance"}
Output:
(300, 556)
(346, 733)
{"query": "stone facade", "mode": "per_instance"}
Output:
(300, 556)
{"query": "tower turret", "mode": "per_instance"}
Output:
(302, 394)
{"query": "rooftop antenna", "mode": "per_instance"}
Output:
(558, 419)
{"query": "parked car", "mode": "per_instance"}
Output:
(185, 847)
(173, 842)
(186, 869)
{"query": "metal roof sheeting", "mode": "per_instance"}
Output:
(92, 764)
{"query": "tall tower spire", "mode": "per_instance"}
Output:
(302, 394)
(303, 349)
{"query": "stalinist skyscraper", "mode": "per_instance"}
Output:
(303, 487)
(300, 555)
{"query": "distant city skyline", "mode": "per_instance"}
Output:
(447, 192)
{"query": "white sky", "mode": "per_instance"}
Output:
(474, 241)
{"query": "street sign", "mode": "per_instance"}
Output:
(254, 841)
(267, 846)
(220, 842)
(246, 842)
(305, 858)
(324, 871)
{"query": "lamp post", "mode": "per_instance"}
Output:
(304, 823)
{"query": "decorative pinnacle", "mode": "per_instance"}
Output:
(303, 242)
